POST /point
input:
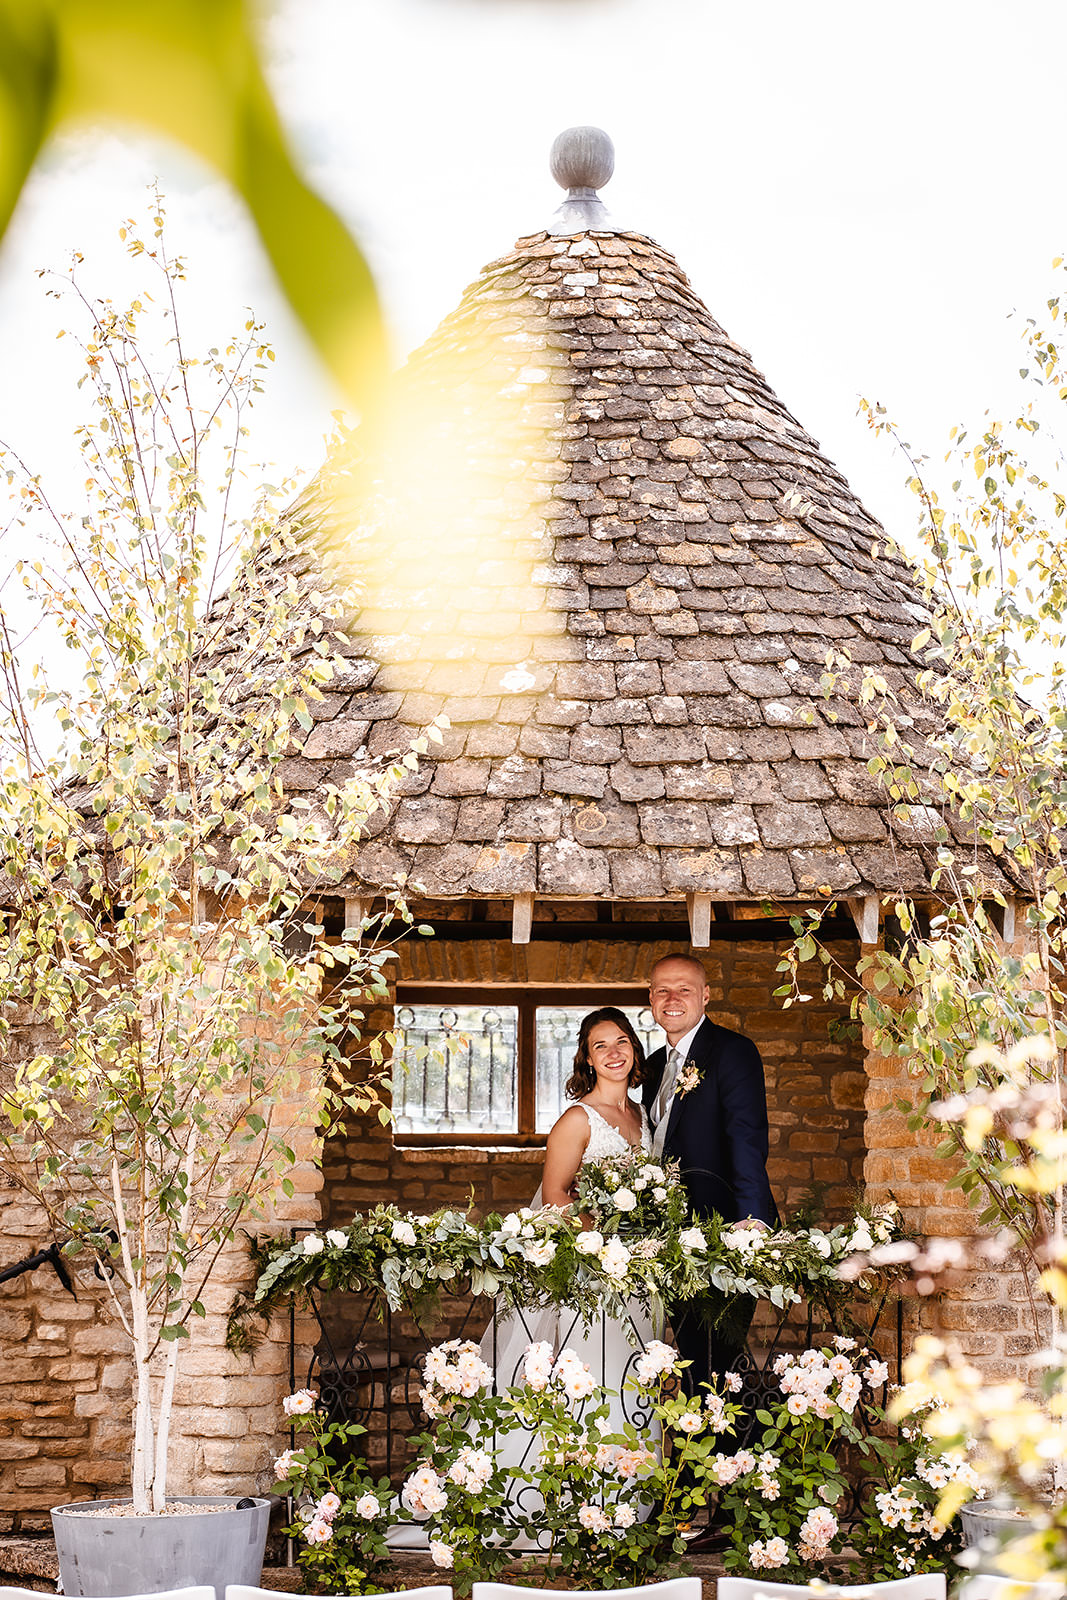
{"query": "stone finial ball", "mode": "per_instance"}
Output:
(582, 158)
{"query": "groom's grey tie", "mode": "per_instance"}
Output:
(664, 1095)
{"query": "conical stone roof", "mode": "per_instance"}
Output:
(593, 537)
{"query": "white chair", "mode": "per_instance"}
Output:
(671, 1589)
(985, 1586)
(431, 1591)
(195, 1591)
(926, 1586)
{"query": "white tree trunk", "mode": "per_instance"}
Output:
(143, 1453)
(166, 1399)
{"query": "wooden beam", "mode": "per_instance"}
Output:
(1003, 917)
(699, 908)
(357, 909)
(866, 914)
(521, 918)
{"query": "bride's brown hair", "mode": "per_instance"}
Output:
(582, 1080)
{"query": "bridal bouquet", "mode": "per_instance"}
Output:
(632, 1193)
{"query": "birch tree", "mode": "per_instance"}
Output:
(174, 1016)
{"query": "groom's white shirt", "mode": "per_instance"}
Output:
(683, 1047)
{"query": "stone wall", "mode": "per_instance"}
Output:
(987, 1313)
(66, 1377)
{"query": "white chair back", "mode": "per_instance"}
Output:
(195, 1591)
(670, 1589)
(431, 1591)
(924, 1586)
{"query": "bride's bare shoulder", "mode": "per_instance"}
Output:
(572, 1124)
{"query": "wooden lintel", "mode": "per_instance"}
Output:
(866, 914)
(699, 908)
(357, 909)
(521, 918)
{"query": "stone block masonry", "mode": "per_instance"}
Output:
(66, 1379)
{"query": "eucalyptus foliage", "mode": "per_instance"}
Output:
(173, 1022)
(548, 1257)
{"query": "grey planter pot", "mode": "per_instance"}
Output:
(145, 1555)
(989, 1527)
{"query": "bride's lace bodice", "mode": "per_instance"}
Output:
(604, 1140)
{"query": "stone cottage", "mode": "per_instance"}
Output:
(596, 545)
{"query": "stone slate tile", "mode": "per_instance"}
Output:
(636, 874)
(604, 822)
(823, 869)
(536, 821)
(426, 820)
(479, 819)
(674, 822)
(767, 872)
(569, 869)
(573, 777)
(790, 822)
(708, 870)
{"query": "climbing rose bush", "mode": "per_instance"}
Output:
(342, 1514)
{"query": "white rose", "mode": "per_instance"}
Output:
(313, 1245)
(589, 1242)
(821, 1244)
(861, 1239)
(511, 1225)
(440, 1553)
(615, 1258)
(692, 1239)
(336, 1239)
(540, 1255)
(625, 1200)
(300, 1404)
(659, 1194)
(403, 1232)
(368, 1505)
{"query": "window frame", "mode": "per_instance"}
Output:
(527, 998)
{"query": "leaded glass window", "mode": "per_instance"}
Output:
(486, 1065)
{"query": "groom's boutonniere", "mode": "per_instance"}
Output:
(688, 1079)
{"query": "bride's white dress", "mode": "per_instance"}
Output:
(609, 1346)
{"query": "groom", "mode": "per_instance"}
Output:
(707, 1104)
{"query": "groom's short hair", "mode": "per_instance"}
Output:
(680, 955)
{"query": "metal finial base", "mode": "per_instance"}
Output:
(582, 161)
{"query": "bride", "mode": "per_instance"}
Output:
(604, 1121)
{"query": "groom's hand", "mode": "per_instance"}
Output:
(753, 1222)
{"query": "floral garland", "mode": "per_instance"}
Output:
(551, 1257)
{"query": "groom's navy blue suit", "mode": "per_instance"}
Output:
(717, 1132)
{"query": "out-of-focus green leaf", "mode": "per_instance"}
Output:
(190, 69)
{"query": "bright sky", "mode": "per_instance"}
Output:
(861, 194)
